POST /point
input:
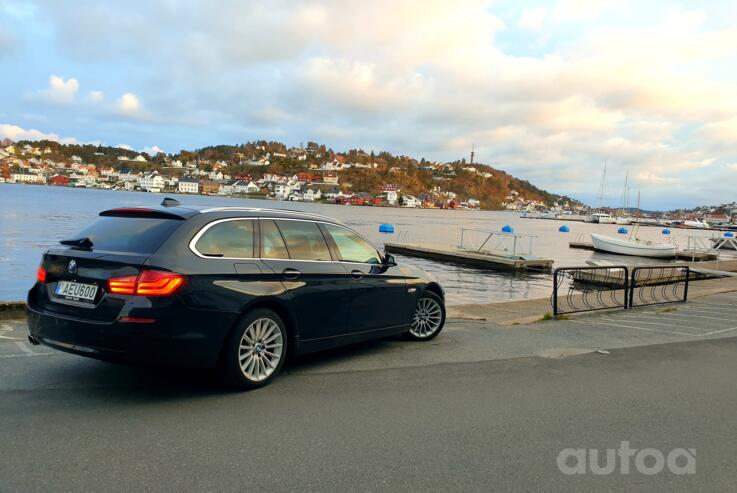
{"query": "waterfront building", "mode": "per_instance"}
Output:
(188, 185)
(27, 177)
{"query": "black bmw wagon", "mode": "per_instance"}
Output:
(232, 288)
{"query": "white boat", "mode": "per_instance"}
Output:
(600, 217)
(624, 220)
(634, 247)
(695, 223)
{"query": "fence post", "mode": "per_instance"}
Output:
(627, 288)
(685, 287)
(555, 293)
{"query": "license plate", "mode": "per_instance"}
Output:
(76, 291)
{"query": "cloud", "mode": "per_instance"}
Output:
(125, 146)
(649, 88)
(130, 106)
(581, 10)
(96, 96)
(152, 150)
(532, 19)
(16, 133)
(60, 91)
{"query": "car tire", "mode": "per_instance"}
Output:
(428, 319)
(254, 352)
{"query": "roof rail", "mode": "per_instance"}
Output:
(261, 209)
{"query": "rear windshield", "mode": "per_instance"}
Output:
(129, 234)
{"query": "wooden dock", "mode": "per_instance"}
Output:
(680, 255)
(483, 260)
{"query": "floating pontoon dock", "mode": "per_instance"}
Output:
(680, 255)
(472, 258)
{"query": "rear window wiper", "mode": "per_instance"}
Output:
(84, 243)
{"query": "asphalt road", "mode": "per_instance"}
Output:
(72, 424)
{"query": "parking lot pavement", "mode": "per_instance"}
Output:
(713, 316)
(483, 406)
(462, 341)
(73, 424)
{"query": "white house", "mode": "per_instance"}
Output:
(311, 195)
(189, 185)
(27, 177)
(283, 190)
(242, 187)
(151, 182)
(410, 201)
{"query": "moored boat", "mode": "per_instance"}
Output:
(633, 247)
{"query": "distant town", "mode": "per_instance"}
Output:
(310, 173)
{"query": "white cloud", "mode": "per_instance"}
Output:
(532, 19)
(60, 91)
(152, 150)
(125, 146)
(96, 96)
(649, 88)
(581, 10)
(16, 133)
(130, 106)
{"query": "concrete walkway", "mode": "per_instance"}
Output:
(529, 311)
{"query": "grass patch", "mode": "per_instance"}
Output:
(667, 310)
(549, 316)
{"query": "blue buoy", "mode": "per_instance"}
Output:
(564, 229)
(666, 231)
(729, 234)
(386, 228)
(507, 229)
(622, 231)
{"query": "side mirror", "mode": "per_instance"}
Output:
(389, 260)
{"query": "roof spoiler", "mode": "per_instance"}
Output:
(140, 212)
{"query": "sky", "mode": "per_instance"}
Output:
(548, 91)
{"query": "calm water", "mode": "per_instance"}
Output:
(32, 218)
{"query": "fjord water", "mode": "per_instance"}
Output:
(33, 218)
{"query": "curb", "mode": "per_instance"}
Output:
(12, 309)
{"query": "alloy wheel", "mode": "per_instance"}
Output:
(260, 349)
(427, 319)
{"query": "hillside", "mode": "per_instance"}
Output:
(415, 177)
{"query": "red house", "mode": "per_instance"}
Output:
(307, 177)
(355, 200)
(59, 180)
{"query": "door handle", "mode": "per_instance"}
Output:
(356, 274)
(291, 273)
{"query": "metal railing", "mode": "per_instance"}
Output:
(511, 244)
(656, 285)
(584, 289)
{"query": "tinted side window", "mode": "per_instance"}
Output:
(352, 247)
(272, 244)
(227, 239)
(304, 240)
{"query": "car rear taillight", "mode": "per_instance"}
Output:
(122, 285)
(41, 274)
(147, 283)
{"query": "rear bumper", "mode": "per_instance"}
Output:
(191, 338)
